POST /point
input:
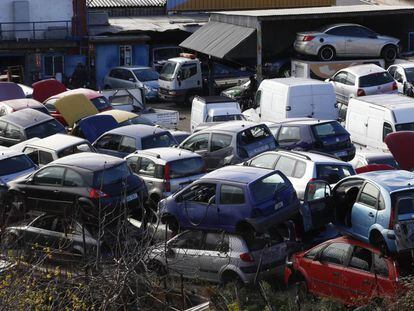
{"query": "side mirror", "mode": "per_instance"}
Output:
(212, 200)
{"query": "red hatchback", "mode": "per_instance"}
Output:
(97, 99)
(346, 270)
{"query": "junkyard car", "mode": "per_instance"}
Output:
(166, 170)
(14, 164)
(10, 90)
(220, 257)
(25, 124)
(403, 74)
(364, 158)
(230, 143)
(84, 183)
(233, 198)
(375, 207)
(10, 106)
(345, 270)
(346, 40)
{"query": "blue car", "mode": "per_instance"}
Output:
(235, 199)
(375, 207)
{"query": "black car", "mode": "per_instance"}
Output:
(92, 184)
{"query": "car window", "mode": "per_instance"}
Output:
(350, 79)
(49, 176)
(200, 193)
(340, 77)
(361, 259)
(286, 165)
(380, 266)
(15, 164)
(73, 179)
(44, 129)
(333, 128)
(300, 169)
(83, 147)
(375, 79)
(362, 32)
(264, 161)
(220, 69)
(220, 141)
(217, 242)
(146, 167)
(45, 222)
(265, 188)
(332, 173)
(128, 76)
(369, 196)
(101, 103)
(186, 167)
(145, 75)
(197, 142)
(387, 129)
(110, 142)
(335, 253)
(127, 145)
(158, 140)
(392, 70)
(231, 195)
(254, 134)
(112, 175)
(188, 240)
(133, 163)
(3, 127)
(340, 31)
(187, 71)
(399, 76)
(45, 157)
(258, 98)
(289, 134)
(12, 132)
(314, 251)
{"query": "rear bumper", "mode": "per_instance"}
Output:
(306, 47)
(271, 270)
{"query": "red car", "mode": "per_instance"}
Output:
(99, 101)
(346, 270)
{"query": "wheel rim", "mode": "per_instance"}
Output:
(326, 54)
(391, 54)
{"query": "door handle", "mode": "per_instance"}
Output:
(371, 214)
(335, 273)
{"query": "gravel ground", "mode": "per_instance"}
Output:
(184, 110)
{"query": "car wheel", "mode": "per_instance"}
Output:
(389, 53)
(326, 53)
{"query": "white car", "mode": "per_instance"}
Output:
(361, 80)
(364, 158)
(301, 167)
(403, 74)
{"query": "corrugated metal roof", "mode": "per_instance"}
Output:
(125, 3)
(217, 39)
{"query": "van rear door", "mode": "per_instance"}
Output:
(323, 101)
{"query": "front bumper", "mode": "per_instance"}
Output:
(171, 96)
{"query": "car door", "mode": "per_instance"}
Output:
(40, 234)
(10, 134)
(338, 82)
(361, 41)
(44, 188)
(198, 143)
(188, 77)
(364, 211)
(232, 206)
(74, 187)
(220, 148)
(108, 144)
(127, 146)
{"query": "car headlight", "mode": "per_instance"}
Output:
(149, 89)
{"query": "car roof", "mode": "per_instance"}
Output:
(365, 69)
(292, 81)
(137, 130)
(391, 180)
(215, 99)
(350, 241)
(302, 121)
(57, 142)
(89, 161)
(231, 126)
(8, 153)
(132, 67)
(26, 118)
(90, 94)
(404, 65)
(238, 174)
(168, 153)
(327, 27)
(22, 103)
(311, 156)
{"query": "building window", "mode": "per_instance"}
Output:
(125, 55)
(53, 65)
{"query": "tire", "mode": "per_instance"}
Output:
(326, 53)
(389, 53)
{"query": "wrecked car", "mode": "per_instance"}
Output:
(10, 90)
(13, 105)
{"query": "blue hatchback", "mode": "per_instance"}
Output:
(234, 199)
(375, 207)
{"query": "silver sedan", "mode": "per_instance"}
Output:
(346, 40)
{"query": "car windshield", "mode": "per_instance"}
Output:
(226, 117)
(328, 129)
(111, 175)
(186, 167)
(253, 134)
(101, 103)
(137, 120)
(15, 164)
(375, 79)
(166, 53)
(158, 140)
(145, 75)
(167, 71)
(404, 127)
(44, 129)
(409, 72)
(265, 188)
(332, 173)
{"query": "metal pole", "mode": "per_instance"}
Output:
(259, 73)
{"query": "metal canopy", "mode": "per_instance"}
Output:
(217, 39)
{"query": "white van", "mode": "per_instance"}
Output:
(283, 98)
(369, 119)
(215, 109)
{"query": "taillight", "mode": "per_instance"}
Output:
(246, 257)
(97, 194)
(308, 38)
(392, 219)
(167, 178)
(312, 179)
(360, 92)
(394, 86)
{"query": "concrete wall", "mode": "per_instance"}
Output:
(39, 10)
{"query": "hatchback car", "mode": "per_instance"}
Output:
(375, 207)
(220, 257)
(25, 124)
(166, 170)
(305, 134)
(362, 80)
(301, 167)
(127, 139)
(230, 143)
(346, 40)
(403, 74)
(233, 198)
(10, 106)
(133, 77)
(43, 151)
(364, 158)
(94, 184)
(346, 270)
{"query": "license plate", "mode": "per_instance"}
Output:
(278, 206)
(132, 197)
(340, 154)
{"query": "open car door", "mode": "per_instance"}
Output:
(404, 223)
(75, 107)
(317, 209)
(132, 100)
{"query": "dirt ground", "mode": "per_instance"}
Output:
(184, 110)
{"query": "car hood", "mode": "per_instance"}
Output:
(154, 84)
(45, 89)
(75, 107)
(401, 147)
(94, 126)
